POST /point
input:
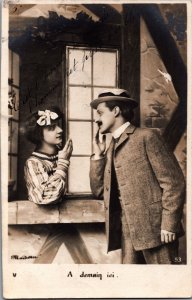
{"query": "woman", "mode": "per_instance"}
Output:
(46, 168)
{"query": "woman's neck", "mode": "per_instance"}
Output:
(48, 149)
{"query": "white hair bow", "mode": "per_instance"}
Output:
(46, 117)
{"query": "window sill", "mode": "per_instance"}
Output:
(69, 211)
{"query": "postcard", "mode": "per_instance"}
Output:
(96, 149)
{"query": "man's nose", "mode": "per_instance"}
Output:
(97, 119)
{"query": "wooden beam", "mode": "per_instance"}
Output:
(175, 66)
(130, 54)
(69, 211)
(106, 13)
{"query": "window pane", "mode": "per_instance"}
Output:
(79, 103)
(14, 137)
(9, 111)
(14, 170)
(9, 136)
(80, 133)
(10, 64)
(9, 164)
(104, 69)
(78, 179)
(79, 71)
(15, 69)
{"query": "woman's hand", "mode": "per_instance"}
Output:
(67, 150)
(99, 147)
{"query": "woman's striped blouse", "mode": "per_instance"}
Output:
(45, 177)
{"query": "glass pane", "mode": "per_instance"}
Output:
(9, 112)
(9, 136)
(79, 175)
(80, 133)
(14, 137)
(10, 63)
(79, 103)
(9, 166)
(15, 69)
(79, 71)
(14, 170)
(104, 69)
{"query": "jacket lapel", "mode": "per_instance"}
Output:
(125, 135)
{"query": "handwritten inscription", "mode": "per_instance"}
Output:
(32, 98)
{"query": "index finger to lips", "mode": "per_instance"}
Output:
(103, 138)
(97, 136)
(66, 144)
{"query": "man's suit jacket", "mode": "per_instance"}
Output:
(151, 184)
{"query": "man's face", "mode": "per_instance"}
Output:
(105, 118)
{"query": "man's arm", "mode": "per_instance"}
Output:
(97, 167)
(171, 180)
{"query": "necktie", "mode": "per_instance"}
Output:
(115, 204)
(114, 142)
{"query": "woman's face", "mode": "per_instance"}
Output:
(53, 134)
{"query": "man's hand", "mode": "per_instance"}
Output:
(67, 150)
(99, 147)
(167, 236)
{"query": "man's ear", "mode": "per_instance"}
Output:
(117, 111)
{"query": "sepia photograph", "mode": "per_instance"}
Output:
(95, 128)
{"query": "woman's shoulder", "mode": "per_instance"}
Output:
(43, 162)
(33, 160)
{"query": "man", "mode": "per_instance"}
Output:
(141, 182)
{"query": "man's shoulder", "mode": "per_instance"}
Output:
(146, 132)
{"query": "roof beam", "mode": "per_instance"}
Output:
(106, 13)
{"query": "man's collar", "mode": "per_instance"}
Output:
(118, 132)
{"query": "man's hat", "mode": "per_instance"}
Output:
(114, 94)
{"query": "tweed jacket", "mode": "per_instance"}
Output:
(151, 184)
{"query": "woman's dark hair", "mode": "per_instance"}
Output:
(33, 131)
(126, 111)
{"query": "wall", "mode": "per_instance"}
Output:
(158, 96)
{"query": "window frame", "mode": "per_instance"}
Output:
(12, 86)
(66, 86)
